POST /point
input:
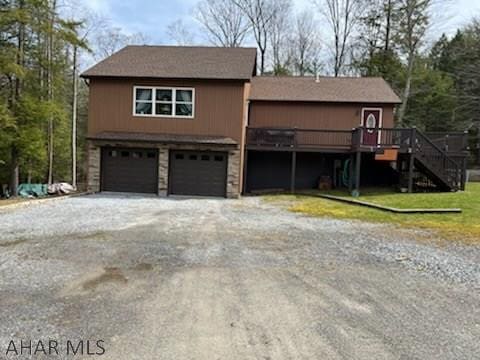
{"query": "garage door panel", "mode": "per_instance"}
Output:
(130, 170)
(198, 173)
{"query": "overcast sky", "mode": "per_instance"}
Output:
(152, 17)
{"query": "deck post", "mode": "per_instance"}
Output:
(358, 160)
(350, 173)
(244, 179)
(464, 174)
(292, 173)
(410, 172)
(411, 161)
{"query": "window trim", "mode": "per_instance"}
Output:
(154, 101)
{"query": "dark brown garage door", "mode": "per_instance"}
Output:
(198, 173)
(130, 170)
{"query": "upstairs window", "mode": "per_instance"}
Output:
(164, 102)
(143, 101)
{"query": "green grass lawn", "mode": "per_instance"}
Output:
(463, 226)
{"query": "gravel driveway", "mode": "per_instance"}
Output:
(230, 279)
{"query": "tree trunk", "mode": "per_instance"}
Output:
(406, 90)
(14, 172)
(29, 172)
(50, 90)
(74, 119)
(262, 61)
(388, 26)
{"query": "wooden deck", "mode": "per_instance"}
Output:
(441, 157)
(357, 139)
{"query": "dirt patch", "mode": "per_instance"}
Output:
(112, 274)
(97, 235)
(13, 243)
(11, 201)
(143, 267)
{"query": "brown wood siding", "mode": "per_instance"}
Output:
(219, 108)
(312, 115)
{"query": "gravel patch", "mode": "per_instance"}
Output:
(239, 279)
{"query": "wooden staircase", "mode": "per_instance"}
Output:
(435, 163)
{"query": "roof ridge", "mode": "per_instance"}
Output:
(313, 77)
(193, 47)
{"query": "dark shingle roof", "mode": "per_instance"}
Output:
(178, 62)
(326, 89)
(162, 138)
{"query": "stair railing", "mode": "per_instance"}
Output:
(437, 160)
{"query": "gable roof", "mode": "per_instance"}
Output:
(180, 62)
(326, 89)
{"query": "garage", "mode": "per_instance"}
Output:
(198, 173)
(129, 170)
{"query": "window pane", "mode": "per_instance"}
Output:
(143, 108)
(184, 95)
(164, 95)
(183, 109)
(163, 109)
(144, 94)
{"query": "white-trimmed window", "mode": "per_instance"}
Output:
(163, 101)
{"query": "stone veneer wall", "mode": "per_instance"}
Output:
(233, 167)
(93, 169)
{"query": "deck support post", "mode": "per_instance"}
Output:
(410, 172)
(411, 162)
(350, 173)
(463, 174)
(244, 179)
(358, 160)
(292, 173)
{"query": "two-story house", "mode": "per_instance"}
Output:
(169, 120)
(197, 121)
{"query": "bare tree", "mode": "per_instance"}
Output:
(111, 39)
(305, 43)
(413, 23)
(225, 23)
(342, 17)
(280, 29)
(260, 14)
(178, 32)
(78, 45)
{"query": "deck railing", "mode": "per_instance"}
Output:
(401, 138)
(449, 141)
(327, 138)
(438, 160)
(299, 138)
(384, 137)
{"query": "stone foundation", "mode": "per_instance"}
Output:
(93, 170)
(233, 165)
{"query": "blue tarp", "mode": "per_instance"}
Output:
(28, 190)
